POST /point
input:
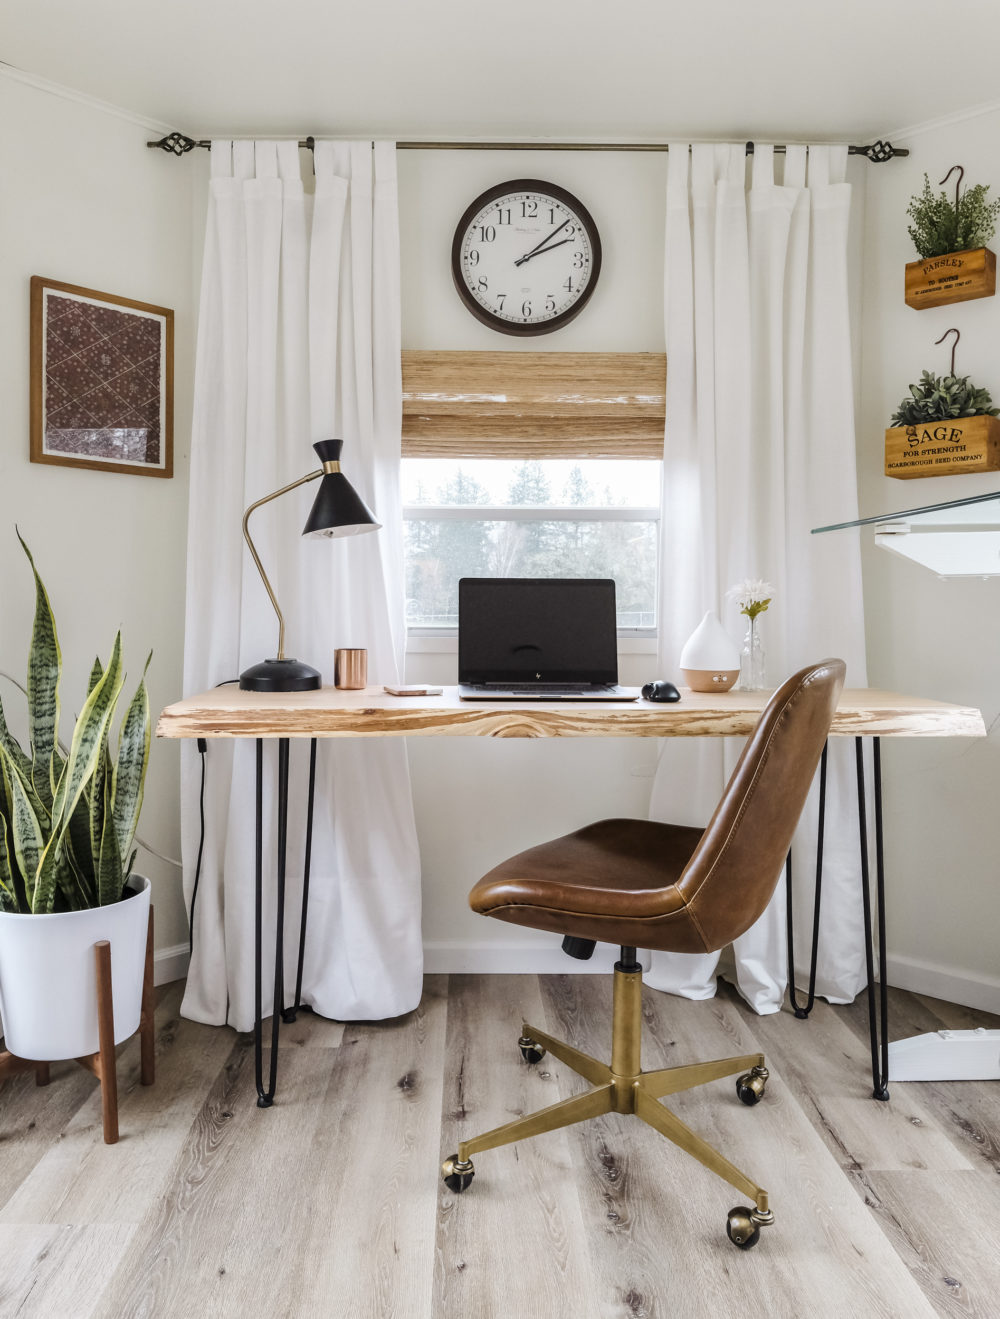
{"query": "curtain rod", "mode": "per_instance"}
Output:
(877, 152)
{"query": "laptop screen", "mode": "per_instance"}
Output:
(544, 629)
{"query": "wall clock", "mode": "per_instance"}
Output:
(526, 257)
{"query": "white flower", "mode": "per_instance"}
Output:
(753, 595)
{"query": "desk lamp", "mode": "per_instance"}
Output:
(338, 510)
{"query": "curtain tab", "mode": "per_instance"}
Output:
(678, 170)
(266, 159)
(702, 165)
(795, 167)
(762, 174)
(243, 154)
(289, 165)
(384, 159)
(221, 159)
(732, 163)
(827, 164)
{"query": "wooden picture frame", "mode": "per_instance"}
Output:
(102, 380)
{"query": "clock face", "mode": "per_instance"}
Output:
(526, 257)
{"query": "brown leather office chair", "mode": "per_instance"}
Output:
(642, 884)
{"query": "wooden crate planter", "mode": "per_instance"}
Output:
(943, 448)
(956, 277)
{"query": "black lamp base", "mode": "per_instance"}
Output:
(280, 675)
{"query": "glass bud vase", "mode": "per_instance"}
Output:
(752, 678)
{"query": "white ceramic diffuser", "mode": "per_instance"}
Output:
(710, 660)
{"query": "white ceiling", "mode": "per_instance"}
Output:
(584, 69)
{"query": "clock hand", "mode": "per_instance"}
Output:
(540, 251)
(545, 240)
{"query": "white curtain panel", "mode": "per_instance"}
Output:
(759, 449)
(299, 340)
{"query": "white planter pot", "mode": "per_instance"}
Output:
(48, 986)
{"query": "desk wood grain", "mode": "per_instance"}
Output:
(229, 712)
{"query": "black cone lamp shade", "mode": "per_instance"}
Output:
(338, 510)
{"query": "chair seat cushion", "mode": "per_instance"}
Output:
(614, 881)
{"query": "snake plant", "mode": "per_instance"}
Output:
(68, 819)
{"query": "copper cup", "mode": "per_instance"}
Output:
(350, 669)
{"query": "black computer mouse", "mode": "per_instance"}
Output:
(661, 691)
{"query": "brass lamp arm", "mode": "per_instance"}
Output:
(310, 476)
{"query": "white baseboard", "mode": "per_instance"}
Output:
(946, 982)
(452, 957)
(170, 964)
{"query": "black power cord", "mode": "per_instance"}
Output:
(203, 752)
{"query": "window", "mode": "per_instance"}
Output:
(531, 465)
(489, 517)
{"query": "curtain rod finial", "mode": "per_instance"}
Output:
(176, 143)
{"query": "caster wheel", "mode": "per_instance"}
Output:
(457, 1175)
(741, 1229)
(750, 1086)
(530, 1051)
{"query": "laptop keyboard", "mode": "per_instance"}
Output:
(557, 688)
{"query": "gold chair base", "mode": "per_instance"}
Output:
(623, 1087)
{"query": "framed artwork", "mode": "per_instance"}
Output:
(102, 375)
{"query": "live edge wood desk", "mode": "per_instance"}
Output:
(229, 712)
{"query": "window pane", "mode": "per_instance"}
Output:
(584, 482)
(439, 552)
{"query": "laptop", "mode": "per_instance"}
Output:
(538, 638)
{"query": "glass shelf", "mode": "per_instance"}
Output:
(959, 538)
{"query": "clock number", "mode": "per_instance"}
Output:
(568, 286)
(500, 301)
(525, 309)
(487, 233)
(552, 215)
(503, 215)
(550, 302)
(482, 284)
(529, 210)
(570, 230)
(577, 260)
(473, 257)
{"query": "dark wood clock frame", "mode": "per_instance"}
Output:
(500, 190)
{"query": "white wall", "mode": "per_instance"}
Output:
(84, 202)
(926, 636)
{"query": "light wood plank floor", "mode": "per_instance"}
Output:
(330, 1204)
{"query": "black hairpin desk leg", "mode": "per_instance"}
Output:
(265, 1098)
(878, 1019)
(298, 1006)
(802, 1012)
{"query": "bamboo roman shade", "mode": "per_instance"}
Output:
(533, 405)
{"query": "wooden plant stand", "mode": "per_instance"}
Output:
(102, 1063)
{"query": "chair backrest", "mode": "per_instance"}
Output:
(735, 868)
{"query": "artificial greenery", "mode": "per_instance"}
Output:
(67, 821)
(940, 398)
(941, 225)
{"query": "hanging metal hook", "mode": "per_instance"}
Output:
(958, 184)
(958, 334)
